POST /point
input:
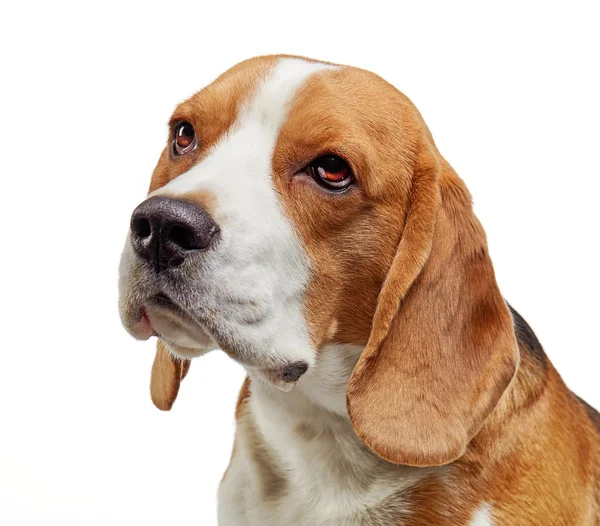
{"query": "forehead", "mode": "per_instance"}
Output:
(260, 89)
(295, 109)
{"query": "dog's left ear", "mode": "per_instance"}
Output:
(442, 348)
(167, 373)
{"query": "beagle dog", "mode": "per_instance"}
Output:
(302, 220)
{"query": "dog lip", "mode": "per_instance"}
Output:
(163, 300)
(142, 328)
(170, 323)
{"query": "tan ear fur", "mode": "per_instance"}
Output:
(167, 373)
(442, 349)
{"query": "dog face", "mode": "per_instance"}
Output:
(286, 169)
(297, 204)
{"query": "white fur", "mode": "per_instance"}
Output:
(482, 516)
(248, 290)
(333, 478)
(254, 282)
(257, 240)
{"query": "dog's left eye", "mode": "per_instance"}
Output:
(331, 172)
(184, 138)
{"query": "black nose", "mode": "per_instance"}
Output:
(164, 231)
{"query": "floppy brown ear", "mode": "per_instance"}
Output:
(167, 373)
(442, 348)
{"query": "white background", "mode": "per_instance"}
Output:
(510, 93)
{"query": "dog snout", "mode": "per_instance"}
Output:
(164, 231)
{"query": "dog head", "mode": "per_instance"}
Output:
(298, 204)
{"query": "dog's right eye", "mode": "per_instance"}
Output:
(184, 138)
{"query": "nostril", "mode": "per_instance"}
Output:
(181, 236)
(141, 227)
(165, 231)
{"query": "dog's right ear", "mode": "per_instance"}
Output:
(167, 373)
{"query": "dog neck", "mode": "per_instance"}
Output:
(306, 438)
(322, 390)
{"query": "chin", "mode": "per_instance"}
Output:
(183, 337)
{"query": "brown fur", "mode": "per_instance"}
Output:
(392, 226)
(272, 478)
(436, 366)
(167, 373)
(400, 264)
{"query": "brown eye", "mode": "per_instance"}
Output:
(184, 138)
(332, 172)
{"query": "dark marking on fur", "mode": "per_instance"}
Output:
(272, 479)
(418, 504)
(293, 371)
(306, 431)
(592, 413)
(527, 339)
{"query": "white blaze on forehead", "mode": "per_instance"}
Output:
(259, 257)
(246, 150)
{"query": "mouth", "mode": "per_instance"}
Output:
(165, 319)
(163, 301)
(193, 325)
(161, 304)
(172, 324)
